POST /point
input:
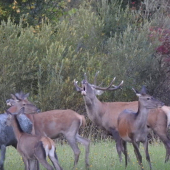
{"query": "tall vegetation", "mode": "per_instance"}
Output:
(33, 11)
(45, 59)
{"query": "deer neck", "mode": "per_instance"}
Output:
(94, 109)
(141, 116)
(13, 109)
(17, 131)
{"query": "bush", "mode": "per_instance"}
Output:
(45, 60)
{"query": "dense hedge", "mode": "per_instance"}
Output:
(45, 59)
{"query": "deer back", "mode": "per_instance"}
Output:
(52, 123)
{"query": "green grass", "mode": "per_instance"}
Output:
(103, 156)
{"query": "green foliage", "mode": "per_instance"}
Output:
(33, 11)
(45, 60)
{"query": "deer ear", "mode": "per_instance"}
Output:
(143, 90)
(98, 92)
(26, 95)
(13, 97)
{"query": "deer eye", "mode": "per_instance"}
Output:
(148, 98)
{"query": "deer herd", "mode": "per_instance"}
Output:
(30, 131)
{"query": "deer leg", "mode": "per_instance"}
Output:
(166, 143)
(40, 154)
(72, 142)
(162, 133)
(44, 162)
(145, 144)
(86, 143)
(125, 152)
(34, 164)
(26, 162)
(118, 141)
(3, 151)
(167, 147)
(137, 153)
(167, 156)
(54, 159)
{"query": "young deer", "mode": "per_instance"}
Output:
(132, 126)
(7, 137)
(31, 146)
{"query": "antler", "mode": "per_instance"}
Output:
(117, 87)
(95, 78)
(104, 88)
(85, 76)
(78, 88)
(110, 86)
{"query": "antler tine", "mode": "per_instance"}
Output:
(95, 78)
(76, 85)
(104, 88)
(100, 84)
(117, 87)
(85, 76)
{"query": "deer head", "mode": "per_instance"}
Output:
(20, 100)
(146, 100)
(90, 90)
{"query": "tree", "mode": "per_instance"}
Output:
(34, 11)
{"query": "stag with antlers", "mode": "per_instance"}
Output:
(101, 113)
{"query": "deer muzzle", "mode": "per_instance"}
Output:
(83, 93)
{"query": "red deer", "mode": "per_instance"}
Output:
(31, 146)
(105, 114)
(55, 122)
(132, 126)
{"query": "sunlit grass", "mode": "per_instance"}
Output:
(103, 156)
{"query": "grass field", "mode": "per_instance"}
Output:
(103, 156)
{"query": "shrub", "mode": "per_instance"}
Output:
(45, 60)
